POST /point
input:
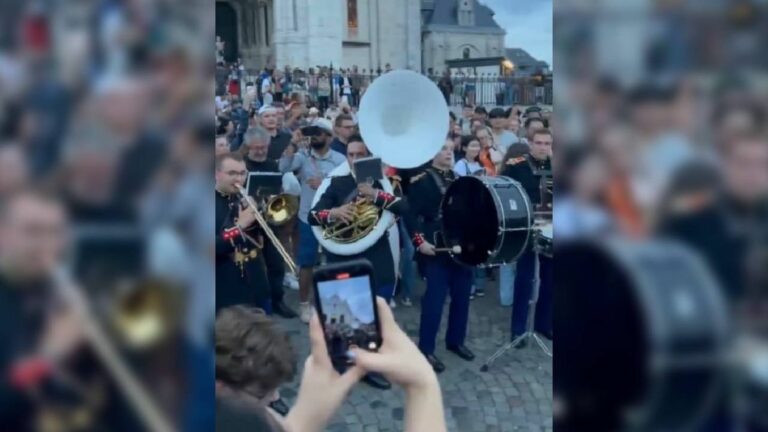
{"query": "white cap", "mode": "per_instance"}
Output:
(324, 124)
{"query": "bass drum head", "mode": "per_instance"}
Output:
(641, 331)
(475, 213)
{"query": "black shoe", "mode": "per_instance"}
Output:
(280, 407)
(378, 381)
(462, 351)
(283, 310)
(435, 362)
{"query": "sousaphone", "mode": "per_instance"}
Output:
(403, 119)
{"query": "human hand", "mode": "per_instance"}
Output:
(64, 333)
(398, 358)
(314, 182)
(322, 389)
(345, 213)
(366, 190)
(427, 248)
(246, 217)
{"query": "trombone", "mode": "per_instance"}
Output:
(268, 231)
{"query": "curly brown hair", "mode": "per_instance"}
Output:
(251, 352)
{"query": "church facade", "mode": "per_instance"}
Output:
(406, 34)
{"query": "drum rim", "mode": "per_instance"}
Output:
(500, 213)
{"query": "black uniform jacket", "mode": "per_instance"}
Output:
(240, 268)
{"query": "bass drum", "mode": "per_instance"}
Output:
(489, 217)
(642, 331)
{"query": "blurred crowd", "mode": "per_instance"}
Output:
(663, 137)
(105, 159)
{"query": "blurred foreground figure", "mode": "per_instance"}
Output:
(49, 378)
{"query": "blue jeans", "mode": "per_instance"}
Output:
(507, 283)
(406, 262)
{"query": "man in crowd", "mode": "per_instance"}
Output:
(240, 268)
(310, 169)
(345, 128)
(501, 136)
(257, 143)
(727, 225)
(279, 140)
(443, 274)
(527, 170)
(337, 204)
(532, 124)
(467, 115)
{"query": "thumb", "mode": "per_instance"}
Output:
(371, 362)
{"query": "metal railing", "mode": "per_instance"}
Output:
(486, 90)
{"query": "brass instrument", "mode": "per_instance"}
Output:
(281, 208)
(267, 230)
(366, 217)
(138, 397)
(146, 315)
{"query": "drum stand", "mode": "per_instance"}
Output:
(529, 332)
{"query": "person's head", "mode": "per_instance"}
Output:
(484, 136)
(513, 124)
(745, 174)
(467, 111)
(345, 127)
(256, 141)
(269, 118)
(532, 124)
(253, 356)
(33, 235)
(230, 172)
(477, 124)
(356, 149)
(444, 158)
(481, 113)
(14, 173)
(541, 144)
(222, 145)
(498, 119)
(471, 147)
(320, 134)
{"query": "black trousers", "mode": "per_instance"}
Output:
(248, 286)
(275, 271)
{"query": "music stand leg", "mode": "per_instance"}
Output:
(529, 331)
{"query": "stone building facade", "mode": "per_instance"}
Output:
(406, 34)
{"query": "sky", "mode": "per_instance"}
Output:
(528, 24)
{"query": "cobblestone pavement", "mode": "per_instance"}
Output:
(514, 395)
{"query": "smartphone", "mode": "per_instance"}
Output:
(346, 305)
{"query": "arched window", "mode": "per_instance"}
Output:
(466, 53)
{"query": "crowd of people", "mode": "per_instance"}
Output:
(305, 140)
(105, 135)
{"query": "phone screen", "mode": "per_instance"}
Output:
(347, 313)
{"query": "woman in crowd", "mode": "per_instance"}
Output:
(469, 164)
(490, 156)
